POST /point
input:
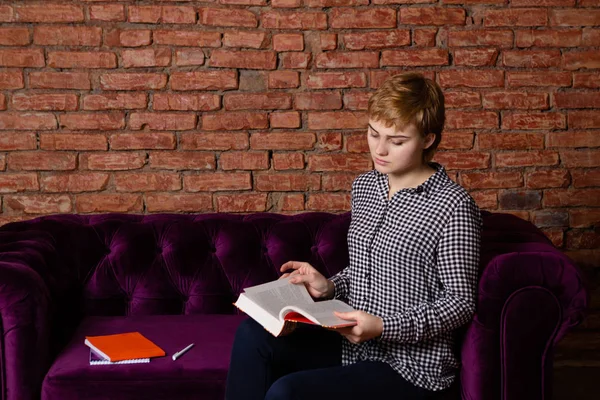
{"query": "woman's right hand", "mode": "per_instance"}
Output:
(317, 285)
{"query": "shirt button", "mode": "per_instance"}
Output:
(367, 274)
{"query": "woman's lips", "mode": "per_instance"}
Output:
(380, 162)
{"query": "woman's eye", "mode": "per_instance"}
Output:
(397, 143)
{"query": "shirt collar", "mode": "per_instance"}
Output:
(432, 184)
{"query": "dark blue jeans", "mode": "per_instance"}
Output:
(307, 365)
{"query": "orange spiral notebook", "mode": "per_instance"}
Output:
(124, 346)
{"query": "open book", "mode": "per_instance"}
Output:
(278, 304)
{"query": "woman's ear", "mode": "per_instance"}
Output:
(429, 139)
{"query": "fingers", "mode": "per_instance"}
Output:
(294, 265)
(349, 316)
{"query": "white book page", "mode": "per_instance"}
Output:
(273, 296)
(322, 312)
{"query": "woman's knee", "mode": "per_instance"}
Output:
(250, 334)
(282, 389)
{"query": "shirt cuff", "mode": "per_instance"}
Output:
(339, 286)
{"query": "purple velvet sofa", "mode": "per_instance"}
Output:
(174, 277)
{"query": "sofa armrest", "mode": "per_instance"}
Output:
(528, 299)
(25, 309)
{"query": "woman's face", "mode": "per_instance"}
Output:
(396, 151)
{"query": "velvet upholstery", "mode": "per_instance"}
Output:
(175, 277)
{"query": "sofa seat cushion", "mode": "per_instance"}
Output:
(199, 373)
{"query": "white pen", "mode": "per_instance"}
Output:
(180, 353)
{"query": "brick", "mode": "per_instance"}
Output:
(516, 17)
(417, 57)
(38, 204)
(162, 121)
(571, 197)
(432, 16)
(254, 40)
(469, 78)
(244, 160)
(172, 202)
(242, 202)
(520, 200)
(2, 102)
(288, 42)
(351, 18)
(462, 99)
(27, 121)
(339, 162)
(227, 17)
(580, 158)
(286, 182)
(107, 12)
(471, 119)
(526, 158)
(357, 100)
(22, 58)
(234, 120)
(73, 141)
(217, 181)
(329, 141)
(75, 182)
(590, 37)
(44, 102)
(252, 81)
(291, 202)
(328, 41)
(112, 161)
(213, 141)
(515, 100)
(485, 199)
(41, 160)
(7, 13)
(342, 59)
(475, 57)
(282, 141)
(12, 183)
(204, 80)
(146, 181)
(250, 59)
(318, 101)
(102, 203)
(337, 181)
(162, 14)
(133, 81)
(187, 38)
(295, 60)
(378, 77)
(59, 80)
(283, 79)
(186, 102)
(11, 79)
(573, 60)
(584, 218)
(539, 79)
(63, 35)
(550, 218)
(333, 80)
(182, 160)
(376, 39)
(245, 2)
(139, 141)
(585, 177)
(14, 36)
(583, 119)
(287, 161)
(129, 37)
(548, 38)
(574, 17)
(491, 180)
(189, 57)
(577, 100)
(18, 141)
(92, 121)
(286, 3)
(286, 119)
(533, 120)
(115, 101)
(463, 160)
(329, 202)
(299, 20)
(424, 37)
(511, 141)
(578, 239)
(337, 120)
(335, 3)
(81, 59)
(456, 139)
(159, 57)
(44, 12)
(257, 101)
(548, 178)
(481, 37)
(531, 58)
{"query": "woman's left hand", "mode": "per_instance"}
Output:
(367, 326)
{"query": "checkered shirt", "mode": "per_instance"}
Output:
(414, 262)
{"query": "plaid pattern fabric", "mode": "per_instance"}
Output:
(414, 262)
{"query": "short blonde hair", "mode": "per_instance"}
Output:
(410, 98)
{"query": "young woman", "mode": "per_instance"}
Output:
(413, 244)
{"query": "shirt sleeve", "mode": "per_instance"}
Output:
(458, 253)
